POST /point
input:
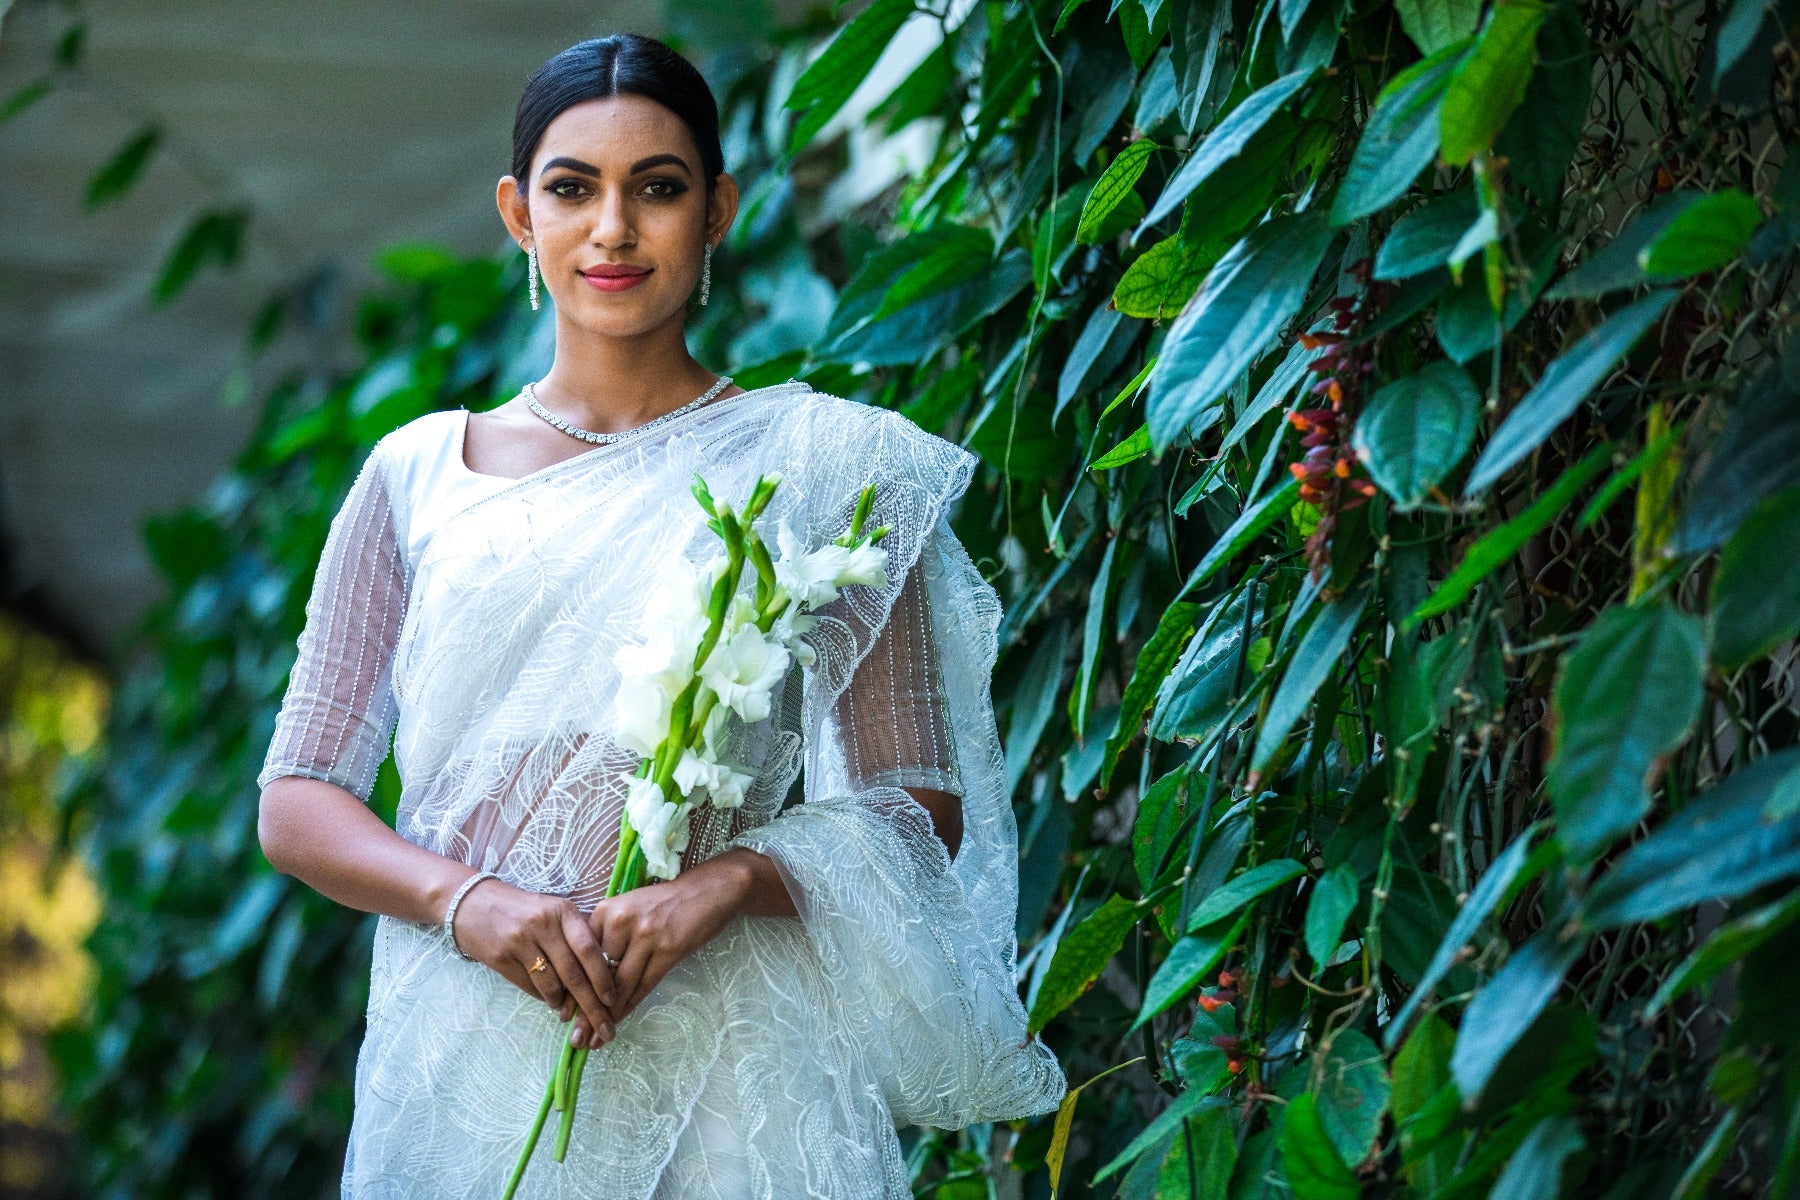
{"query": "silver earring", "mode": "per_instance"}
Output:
(706, 273)
(531, 273)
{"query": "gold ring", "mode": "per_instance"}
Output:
(539, 965)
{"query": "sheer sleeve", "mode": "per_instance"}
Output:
(338, 714)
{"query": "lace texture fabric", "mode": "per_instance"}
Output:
(776, 1061)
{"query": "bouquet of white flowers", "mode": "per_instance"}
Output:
(713, 650)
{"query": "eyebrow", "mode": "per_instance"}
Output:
(588, 169)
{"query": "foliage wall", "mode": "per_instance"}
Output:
(1391, 425)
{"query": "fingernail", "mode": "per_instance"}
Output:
(607, 999)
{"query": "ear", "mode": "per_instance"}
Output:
(510, 199)
(722, 210)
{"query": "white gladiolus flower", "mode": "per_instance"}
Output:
(790, 629)
(809, 577)
(743, 669)
(642, 711)
(712, 734)
(662, 828)
(868, 564)
(724, 786)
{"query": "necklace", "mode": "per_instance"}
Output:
(603, 439)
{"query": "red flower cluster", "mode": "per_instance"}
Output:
(1327, 470)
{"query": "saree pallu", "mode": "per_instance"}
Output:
(776, 1061)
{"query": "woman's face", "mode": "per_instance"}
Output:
(617, 183)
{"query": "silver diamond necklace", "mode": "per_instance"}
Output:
(602, 439)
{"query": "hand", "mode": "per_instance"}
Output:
(654, 926)
(508, 928)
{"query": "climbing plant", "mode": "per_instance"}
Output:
(1390, 418)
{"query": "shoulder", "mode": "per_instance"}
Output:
(413, 451)
(837, 430)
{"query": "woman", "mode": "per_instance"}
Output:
(812, 976)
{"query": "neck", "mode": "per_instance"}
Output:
(612, 383)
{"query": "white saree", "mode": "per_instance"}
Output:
(475, 619)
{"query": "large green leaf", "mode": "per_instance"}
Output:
(1564, 384)
(1190, 960)
(1494, 884)
(1399, 140)
(1226, 141)
(1542, 135)
(1723, 947)
(1535, 1169)
(1199, 691)
(1719, 847)
(1352, 1094)
(1117, 182)
(1506, 1005)
(1502, 542)
(831, 78)
(1424, 237)
(1421, 1090)
(1490, 83)
(1034, 700)
(1706, 234)
(1159, 814)
(1315, 1170)
(1212, 1134)
(1154, 661)
(1242, 890)
(1248, 298)
(1333, 900)
(1081, 955)
(1754, 456)
(1314, 659)
(1619, 263)
(1243, 531)
(1434, 24)
(1168, 1121)
(1415, 430)
(1756, 589)
(1625, 696)
(1164, 278)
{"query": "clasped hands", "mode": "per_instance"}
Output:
(645, 931)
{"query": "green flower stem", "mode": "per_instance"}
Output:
(531, 1139)
(559, 1078)
(566, 1125)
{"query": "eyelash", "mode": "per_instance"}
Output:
(678, 186)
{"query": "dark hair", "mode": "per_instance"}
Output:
(618, 64)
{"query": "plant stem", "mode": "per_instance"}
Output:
(531, 1139)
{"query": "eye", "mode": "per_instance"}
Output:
(566, 188)
(674, 187)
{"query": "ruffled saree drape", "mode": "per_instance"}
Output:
(776, 1061)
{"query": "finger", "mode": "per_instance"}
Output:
(546, 980)
(578, 1035)
(630, 974)
(654, 971)
(587, 950)
(574, 978)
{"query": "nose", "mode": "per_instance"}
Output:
(612, 219)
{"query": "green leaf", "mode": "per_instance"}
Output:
(1618, 264)
(1314, 1169)
(1755, 599)
(1199, 692)
(1190, 960)
(1093, 640)
(1624, 697)
(833, 77)
(1535, 1169)
(1241, 890)
(1352, 1094)
(1719, 847)
(1226, 141)
(1493, 885)
(1244, 304)
(1754, 456)
(1242, 531)
(1415, 430)
(1490, 83)
(1333, 900)
(1435, 24)
(1704, 235)
(1164, 278)
(1153, 664)
(1117, 182)
(1167, 1121)
(1421, 1090)
(1540, 139)
(1198, 31)
(1314, 659)
(1504, 1008)
(1213, 1136)
(1400, 138)
(416, 262)
(1127, 451)
(1724, 947)
(1034, 701)
(1159, 813)
(16, 104)
(1564, 384)
(212, 237)
(114, 179)
(1424, 237)
(1501, 543)
(1737, 31)
(1081, 955)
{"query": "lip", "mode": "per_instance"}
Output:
(615, 277)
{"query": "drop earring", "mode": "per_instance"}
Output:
(706, 273)
(531, 274)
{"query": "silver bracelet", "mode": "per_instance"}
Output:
(450, 913)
